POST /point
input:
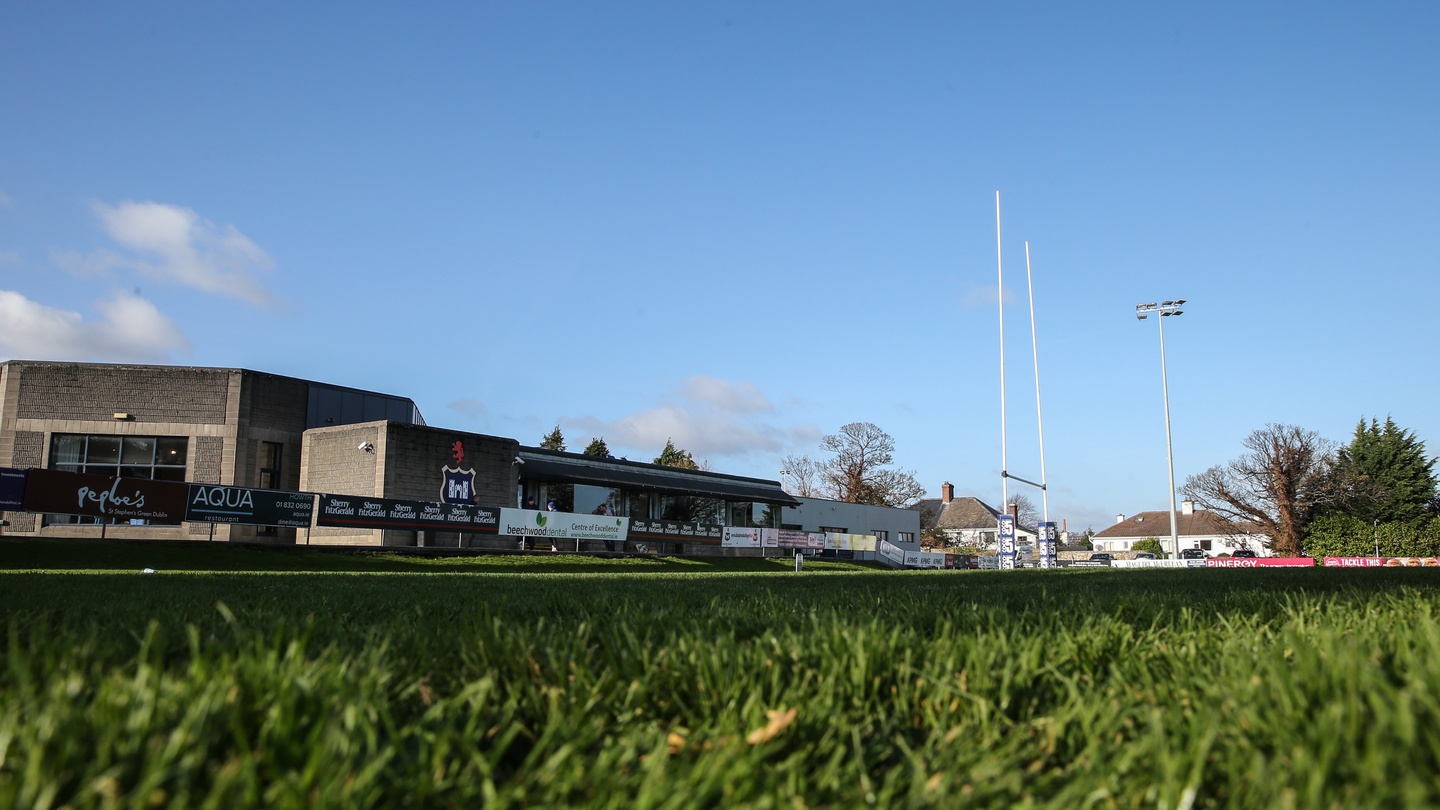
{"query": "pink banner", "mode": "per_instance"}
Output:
(1353, 562)
(1260, 562)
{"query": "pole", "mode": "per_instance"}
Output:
(1000, 297)
(1039, 416)
(1169, 453)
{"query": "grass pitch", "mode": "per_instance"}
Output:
(235, 678)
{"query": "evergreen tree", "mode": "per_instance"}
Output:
(597, 447)
(554, 440)
(673, 457)
(1384, 474)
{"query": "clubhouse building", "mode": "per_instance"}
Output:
(186, 453)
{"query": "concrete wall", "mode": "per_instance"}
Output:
(405, 464)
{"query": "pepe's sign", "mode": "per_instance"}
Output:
(67, 493)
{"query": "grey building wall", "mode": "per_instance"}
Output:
(816, 514)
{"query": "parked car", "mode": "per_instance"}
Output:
(1192, 554)
(1144, 555)
(1243, 552)
(1102, 556)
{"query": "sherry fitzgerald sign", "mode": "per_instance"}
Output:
(362, 512)
(67, 493)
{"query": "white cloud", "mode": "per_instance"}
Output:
(725, 396)
(712, 419)
(169, 243)
(5, 201)
(130, 329)
(469, 407)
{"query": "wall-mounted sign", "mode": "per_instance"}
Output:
(361, 512)
(67, 493)
(212, 503)
(457, 485)
(12, 489)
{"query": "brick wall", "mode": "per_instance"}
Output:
(80, 391)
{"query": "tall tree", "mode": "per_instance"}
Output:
(1383, 474)
(674, 457)
(597, 447)
(554, 440)
(859, 469)
(1279, 484)
(801, 476)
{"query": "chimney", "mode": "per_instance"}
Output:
(947, 492)
(1187, 507)
(1119, 519)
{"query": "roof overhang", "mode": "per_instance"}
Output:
(572, 468)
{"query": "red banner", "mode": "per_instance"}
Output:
(1260, 562)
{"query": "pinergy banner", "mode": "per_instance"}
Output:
(361, 512)
(557, 525)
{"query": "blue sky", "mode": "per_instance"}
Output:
(745, 225)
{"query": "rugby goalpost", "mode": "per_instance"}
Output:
(1006, 522)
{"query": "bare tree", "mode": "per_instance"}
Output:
(1028, 512)
(859, 471)
(1278, 484)
(801, 476)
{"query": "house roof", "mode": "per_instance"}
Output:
(1201, 523)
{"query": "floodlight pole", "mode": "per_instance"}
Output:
(1165, 310)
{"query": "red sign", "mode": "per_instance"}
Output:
(1260, 562)
(67, 493)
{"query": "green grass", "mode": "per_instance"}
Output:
(542, 682)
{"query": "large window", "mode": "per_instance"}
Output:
(159, 457)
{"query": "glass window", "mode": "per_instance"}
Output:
(641, 505)
(591, 500)
(270, 453)
(137, 450)
(102, 450)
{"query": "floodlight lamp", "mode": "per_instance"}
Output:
(1179, 301)
(1139, 315)
(1166, 303)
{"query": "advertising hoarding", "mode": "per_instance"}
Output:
(209, 503)
(12, 489)
(100, 496)
(362, 512)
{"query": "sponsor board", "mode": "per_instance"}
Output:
(676, 530)
(790, 538)
(209, 503)
(740, 537)
(563, 525)
(1412, 562)
(924, 559)
(67, 493)
(361, 512)
(1259, 562)
(850, 542)
(1049, 545)
(1354, 562)
(12, 489)
(1152, 563)
(891, 552)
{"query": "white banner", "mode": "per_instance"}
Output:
(850, 542)
(892, 552)
(556, 525)
(738, 537)
(924, 559)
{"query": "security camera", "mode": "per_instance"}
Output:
(366, 446)
(518, 460)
